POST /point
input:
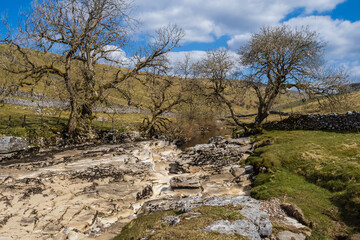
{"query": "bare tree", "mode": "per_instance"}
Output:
(277, 58)
(84, 32)
(219, 67)
(162, 92)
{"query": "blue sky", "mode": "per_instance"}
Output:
(210, 24)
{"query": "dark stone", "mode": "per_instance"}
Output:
(294, 211)
(348, 122)
(145, 193)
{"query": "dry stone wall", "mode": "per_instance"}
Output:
(349, 122)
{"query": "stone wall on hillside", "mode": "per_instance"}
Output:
(349, 122)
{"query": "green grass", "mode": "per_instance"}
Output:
(318, 171)
(152, 226)
(51, 122)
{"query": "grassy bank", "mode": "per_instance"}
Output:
(318, 171)
(152, 226)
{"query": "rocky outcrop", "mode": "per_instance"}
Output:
(240, 227)
(80, 192)
(256, 224)
(218, 153)
(349, 121)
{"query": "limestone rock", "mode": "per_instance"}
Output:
(251, 209)
(6, 238)
(12, 144)
(249, 169)
(74, 235)
(172, 220)
(237, 171)
(185, 182)
(241, 227)
(342, 122)
(286, 235)
(215, 155)
(60, 236)
(294, 211)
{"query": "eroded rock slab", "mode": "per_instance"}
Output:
(185, 182)
(218, 153)
(81, 193)
(241, 227)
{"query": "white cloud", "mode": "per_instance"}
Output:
(118, 56)
(175, 57)
(236, 41)
(205, 20)
(341, 36)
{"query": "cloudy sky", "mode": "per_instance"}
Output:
(210, 24)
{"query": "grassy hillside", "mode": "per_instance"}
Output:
(318, 171)
(54, 87)
(349, 102)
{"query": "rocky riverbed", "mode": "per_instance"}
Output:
(92, 192)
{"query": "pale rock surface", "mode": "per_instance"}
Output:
(185, 182)
(12, 144)
(241, 227)
(286, 235)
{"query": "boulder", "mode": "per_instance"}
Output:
(249, 169)
(241, 227)
(12, 144)
(294, 211)
(217, 154)
(185, 182)
(237, 171)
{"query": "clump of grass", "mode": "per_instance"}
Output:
(153, 227)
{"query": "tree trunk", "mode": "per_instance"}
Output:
(72, 123)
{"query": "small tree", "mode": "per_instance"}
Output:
(219, 67)
(84, 33)
(161, 93)
(277, 58)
